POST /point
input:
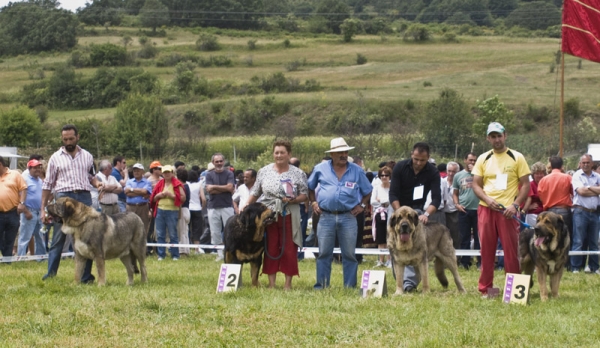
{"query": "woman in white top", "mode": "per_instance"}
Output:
(380, 203)
(197, 201)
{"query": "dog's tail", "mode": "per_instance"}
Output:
(439, 272)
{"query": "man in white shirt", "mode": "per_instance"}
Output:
(449, 208)
(241, 195)
(109, 194)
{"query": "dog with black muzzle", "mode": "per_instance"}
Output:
(414, 244)
(545, 248)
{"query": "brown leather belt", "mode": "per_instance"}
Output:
(110, 205)
(585, 209)
(559, 207)
(137, 204)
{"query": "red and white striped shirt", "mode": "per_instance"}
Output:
(66, 173)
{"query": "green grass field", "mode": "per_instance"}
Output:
(179, 307)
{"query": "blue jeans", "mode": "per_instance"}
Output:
(122, 206)
(166, 220)
(58, 240)
(31, 228)
(303, 227)
(585, 229)
(344, 227)
(9, 227)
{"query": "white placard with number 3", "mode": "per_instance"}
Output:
(516, 288)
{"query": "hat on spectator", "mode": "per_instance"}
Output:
(495, 127)
(138, 166)
(33, 163)
(168, 168)
(155, 164)
(339, 145)
(210, 166)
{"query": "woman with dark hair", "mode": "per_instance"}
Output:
(197, 201)
(283, 187)
(167, 197)
(380, 203)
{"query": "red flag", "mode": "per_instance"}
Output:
(581, 29)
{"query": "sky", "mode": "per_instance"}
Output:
(71, 5)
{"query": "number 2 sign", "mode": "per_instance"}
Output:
(516, 288)
(229, 277)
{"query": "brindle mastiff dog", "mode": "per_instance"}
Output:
(102, 237)
(545, 248)
(244, 237)
(414, 244)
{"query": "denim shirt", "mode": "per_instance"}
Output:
(144, 183)
(339, 195)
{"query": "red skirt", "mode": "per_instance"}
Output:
(288, 263)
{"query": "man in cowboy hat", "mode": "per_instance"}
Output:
(344, 192)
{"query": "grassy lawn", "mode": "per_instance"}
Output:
(179, 307)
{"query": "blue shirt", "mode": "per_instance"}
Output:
(339, 195)
(580, 179)
(144, 183)
(34, 192)
(117, 175)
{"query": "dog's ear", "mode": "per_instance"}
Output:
(393, 220)
(68, 209)
(415, 218)
(560, 223)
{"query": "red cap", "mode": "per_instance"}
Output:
(33, 163)
(155, 164)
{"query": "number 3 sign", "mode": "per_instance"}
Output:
(229, 277)
(516, 288)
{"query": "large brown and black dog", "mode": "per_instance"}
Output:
(100, 237)
(414, 244)
(545, 248)
(244, 237)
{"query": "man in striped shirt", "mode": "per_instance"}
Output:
(70, 174)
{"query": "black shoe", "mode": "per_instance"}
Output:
(89, 281)
(48, 275)
(409, 288)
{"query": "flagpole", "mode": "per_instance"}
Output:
(562, 102)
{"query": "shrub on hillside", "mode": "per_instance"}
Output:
(208, 42)
(417, 32)
(147, 51)
(108, 55)
(546, 15)
(361, 59)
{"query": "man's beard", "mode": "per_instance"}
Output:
(70, 148)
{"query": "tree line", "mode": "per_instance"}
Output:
(35, 26)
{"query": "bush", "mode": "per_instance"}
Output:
(546, 15)
(350, 27)
(287, 43)
(108, 55)
(417, 32)
(360, 59)
(79, 59)
(208, 42)
(147, 51)
(251, 45)
(293, 66)
(143, 40)
(450, 36)
(427, 84)
(221, 61)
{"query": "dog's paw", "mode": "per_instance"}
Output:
(399, 292)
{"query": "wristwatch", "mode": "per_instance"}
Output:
(516, 206)
(426, 214)
(363, 205)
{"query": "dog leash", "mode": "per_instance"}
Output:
(526, 225)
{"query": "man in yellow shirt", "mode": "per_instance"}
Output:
(13, 194)
(497, 176)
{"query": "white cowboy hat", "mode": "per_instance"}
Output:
(339, 145)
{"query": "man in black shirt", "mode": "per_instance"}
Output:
(412, 180)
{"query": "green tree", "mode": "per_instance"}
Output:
(36, 26)
(351, 27)
(546, 15)
(108, 55)
(492, 110)
(99, 12)
(20, 127)
(140, 119)
(418, 32)
(446, 123)
(335, 11)
(154, 14)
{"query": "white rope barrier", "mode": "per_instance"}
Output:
(361, 251)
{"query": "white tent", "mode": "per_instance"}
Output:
(11, 152)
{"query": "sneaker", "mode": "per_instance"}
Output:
(219, 258)
(484, 295)
(161, 258)
(575, 270)
(175, 259)
(388, 264)
(587, 269)
(379, 264)
(597, 271)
